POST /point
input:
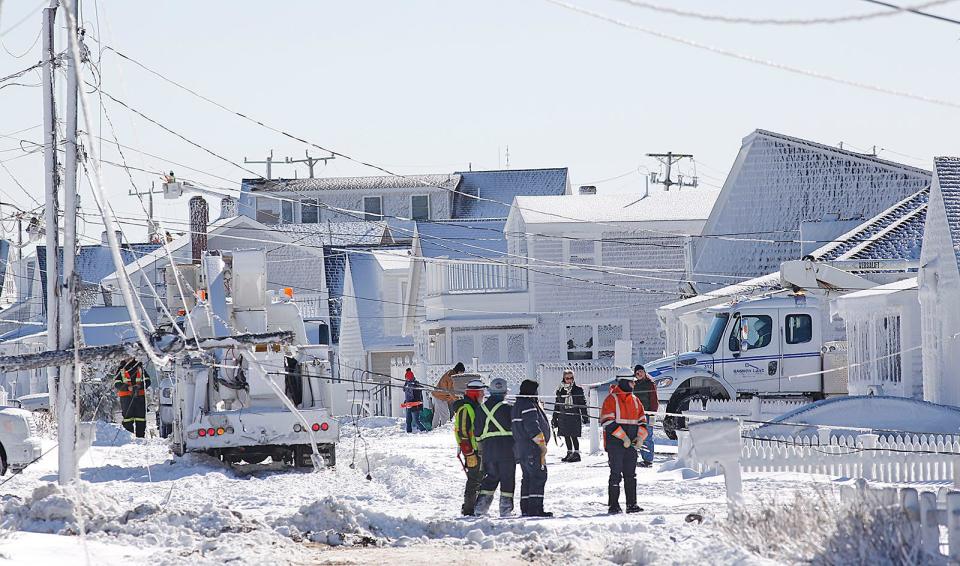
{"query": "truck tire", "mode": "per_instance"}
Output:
(680, 403)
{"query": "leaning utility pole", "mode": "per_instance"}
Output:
(70, 375)
(50, 187)
(668, 160)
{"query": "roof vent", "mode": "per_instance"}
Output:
(588, 190)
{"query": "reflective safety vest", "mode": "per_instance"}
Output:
(621, 408)
(127, 383)
(464, 430)
(487, 433)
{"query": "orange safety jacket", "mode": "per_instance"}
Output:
(623, 409)
(128, 385)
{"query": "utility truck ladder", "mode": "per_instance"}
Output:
(807, 274)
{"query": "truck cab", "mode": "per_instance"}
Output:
(769, 346)
(19, 440)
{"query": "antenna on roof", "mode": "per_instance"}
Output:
(668, 160)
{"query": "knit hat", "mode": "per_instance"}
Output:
(498, 386)
(409, 375)
(529, 387)
(637, 368)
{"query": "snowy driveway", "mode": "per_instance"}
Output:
(143, 506)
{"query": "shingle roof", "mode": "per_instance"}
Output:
(372, 183)
(335, 233)
(948, 179)
(462, 239)
(94, 263)
(502, 186)
(657, 205)
(895, 233)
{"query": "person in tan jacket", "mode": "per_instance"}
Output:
(445, 395)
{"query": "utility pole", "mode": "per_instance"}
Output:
(668, 160)
(50, 191)
(69, 336)
(152, 231)
(268, 162)
(310, 161)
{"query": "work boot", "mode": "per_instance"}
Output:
(567, 457)
(524, 507)
(630, 491)
(483, 504)
(506, 506)
(634, 508)
(574, 457)
(613, 500)
(537, 510)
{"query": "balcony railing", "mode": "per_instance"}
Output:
(463, 277)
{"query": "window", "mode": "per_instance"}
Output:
(310, 211)
(373, 208)
(420, 207)
(268, 210)
(463, 352)
(755, 329)
(592, 341)
(287, 208)
(515, 349)
(887, 336)
(715, 334)
(490, 349)
(798, 328)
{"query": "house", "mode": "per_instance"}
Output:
(939, 285)
(777, 184)
(575, 274)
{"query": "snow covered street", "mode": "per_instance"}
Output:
(141, 505)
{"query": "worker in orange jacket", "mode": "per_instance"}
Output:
(131, 382)
(624, 430)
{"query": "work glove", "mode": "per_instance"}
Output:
(627, 443)
(585, 419)
(637, 443)
(472, 461)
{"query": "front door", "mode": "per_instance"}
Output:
(800, 367)
(752, 357)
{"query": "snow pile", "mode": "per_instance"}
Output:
(60, 510)
(820, 530)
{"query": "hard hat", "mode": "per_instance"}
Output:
(498, 386)
(624, 372)
(476, 384)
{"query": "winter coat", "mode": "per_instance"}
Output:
(464, 421)
(444, 390)
(646, 391)
(621, 410)
(412, 394)
(528, 420)
(496, 447)
(569, 418)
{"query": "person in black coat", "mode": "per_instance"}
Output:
(569, 413)
(492, 429)
(412, 401)
(531, 433)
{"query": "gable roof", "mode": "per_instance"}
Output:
(371, 183)
(502, 186)
(657, 205)
(948, 179)
(93, 263)
(778, 181)
(462, 239)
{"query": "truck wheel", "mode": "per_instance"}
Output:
(332, 456)
(680, 404)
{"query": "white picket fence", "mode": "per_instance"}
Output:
(915, 458)
(926, 511)
(754, 408)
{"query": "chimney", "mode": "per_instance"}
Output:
(228, 208)
(199, 217)
(588, 190)
(103, 237)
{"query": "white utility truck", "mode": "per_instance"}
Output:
(19, 441)
(774, 346)
(249, 403)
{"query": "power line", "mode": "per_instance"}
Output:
(897, 10)
(756, 60)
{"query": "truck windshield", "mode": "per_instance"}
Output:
(715, 334)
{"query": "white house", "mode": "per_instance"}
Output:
(575, 274)
(777, 184)
(939, 285)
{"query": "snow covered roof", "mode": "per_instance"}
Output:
(93, 262)
(777, 182)
(359, 233)
(895, 233)
(948, 179)
(101, 326)
(462, 239)
(392, 259)
(658, 205)
(503, 186)
(373, 183)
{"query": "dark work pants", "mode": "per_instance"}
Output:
(623, 464)
(134, 410)
(413, 417)
(472, 489)
(532, 484)
(499, 472)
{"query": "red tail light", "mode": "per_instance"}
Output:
(211, 432)
(202, 432)
(315, 427)
(324, 426)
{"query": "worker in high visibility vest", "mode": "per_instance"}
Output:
(131, 382)
(624, 430)
(496, 445)
(464, 424)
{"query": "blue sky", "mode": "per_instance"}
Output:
(432, 86)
